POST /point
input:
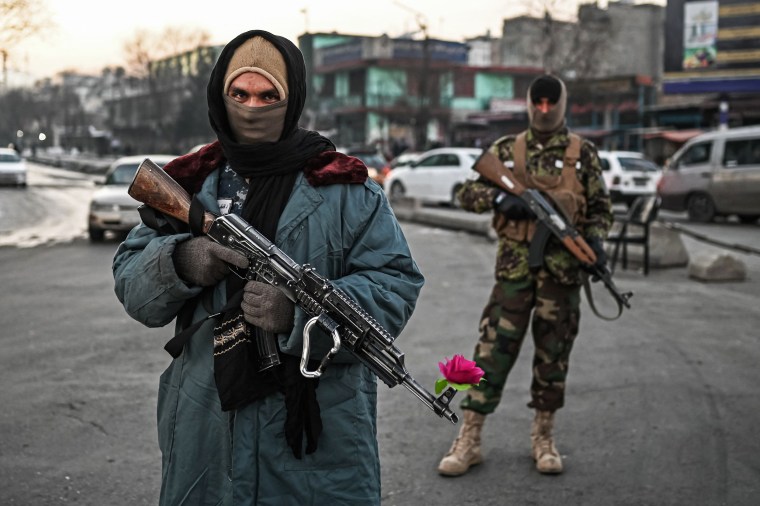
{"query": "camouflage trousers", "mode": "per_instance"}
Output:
(553, 311)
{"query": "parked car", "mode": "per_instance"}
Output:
(111, 207)
(197, 148)
(405, 158)
(376, 164)
(629, 174)
(715, 174)
(435, 177)
(12, 167)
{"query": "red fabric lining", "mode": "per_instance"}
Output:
(328, 167)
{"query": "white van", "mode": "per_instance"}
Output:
(715, 174)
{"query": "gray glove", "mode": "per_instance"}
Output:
(267, 308)
(200, 261)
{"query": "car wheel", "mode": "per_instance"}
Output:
(748, 218)
(96, 234)
(454, 198)
(700, 208)
(398, 191)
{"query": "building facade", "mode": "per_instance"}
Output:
(406, 93)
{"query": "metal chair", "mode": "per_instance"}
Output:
(634, 229)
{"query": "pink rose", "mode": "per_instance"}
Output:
(460, 372)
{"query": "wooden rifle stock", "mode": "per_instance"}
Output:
(551, 220)
(155, 188)
(490, 167)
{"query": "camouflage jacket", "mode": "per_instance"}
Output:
(512, 258)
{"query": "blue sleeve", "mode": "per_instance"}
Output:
(145, 280)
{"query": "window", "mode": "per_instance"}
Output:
(356, 82)
(123, 174)
(698, 153)
(605, 164)
(464, 85)
(741, 152)
(439, 161)
(637, 164)
(9, 157)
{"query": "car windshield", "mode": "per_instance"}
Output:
(9, 158)
(122, 174)
(370, 160)
(638, 164)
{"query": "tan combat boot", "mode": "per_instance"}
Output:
(548, 460)
(465, 451)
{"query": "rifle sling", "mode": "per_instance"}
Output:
(590, 297)
(542, 233)
(168, 225)
(185, 318)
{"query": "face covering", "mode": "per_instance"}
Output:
(554, 118)
(252, 125)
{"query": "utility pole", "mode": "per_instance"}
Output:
(4, 52)
(305, 12)
(424, 99)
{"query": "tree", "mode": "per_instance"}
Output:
(19, 20)
(145, 47)
(569, 44)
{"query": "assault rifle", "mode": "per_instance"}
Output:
(550, 222)
(328, 307)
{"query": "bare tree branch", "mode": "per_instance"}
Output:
(146, 46)
(21, 19)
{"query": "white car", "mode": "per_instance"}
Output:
(12, 168)
(629, 174)
(111, 207)
(435, 177)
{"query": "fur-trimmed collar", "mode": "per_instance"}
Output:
(328, 167)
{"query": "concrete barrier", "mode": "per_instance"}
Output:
(713, 266)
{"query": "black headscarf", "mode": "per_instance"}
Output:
(271, 169)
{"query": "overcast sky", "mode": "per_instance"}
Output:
(90, 34)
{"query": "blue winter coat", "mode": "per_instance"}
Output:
(210, 457)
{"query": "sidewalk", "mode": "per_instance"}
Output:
(668, 249)
(83, 162)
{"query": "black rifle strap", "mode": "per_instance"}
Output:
(590, 298)
(160, 222)
(195, 217)
(185, 319)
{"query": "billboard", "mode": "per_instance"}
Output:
(712, 46)
(700, 34)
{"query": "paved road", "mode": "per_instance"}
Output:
(662, 405)
(661, 410)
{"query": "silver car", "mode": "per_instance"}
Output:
(12, 168)
(111, 207)
(715, 174)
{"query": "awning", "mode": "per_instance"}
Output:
(677, 136)
(590, 132)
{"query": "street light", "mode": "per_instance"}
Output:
(42, 137)
(19, 133)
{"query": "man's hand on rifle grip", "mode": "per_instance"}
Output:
(597, 245)
(512, 207)
(267, 307)
(201, 261)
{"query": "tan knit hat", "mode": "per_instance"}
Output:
(258, 55)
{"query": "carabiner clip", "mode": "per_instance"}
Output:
(330, 326)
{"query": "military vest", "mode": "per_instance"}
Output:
(564, 190)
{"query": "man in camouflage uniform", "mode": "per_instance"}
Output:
(549, 297)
